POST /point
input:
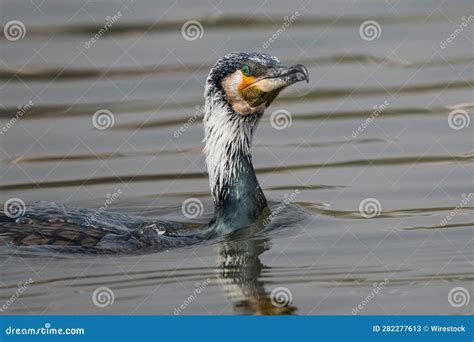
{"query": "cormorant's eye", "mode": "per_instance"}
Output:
(246, 70)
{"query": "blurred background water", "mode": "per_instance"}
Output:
(386, 117)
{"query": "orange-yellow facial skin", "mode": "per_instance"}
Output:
(236, 85)
(246, 81)
(245, 94)
(250, 91)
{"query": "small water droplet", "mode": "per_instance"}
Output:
(160, 230)
(52, 220)
(23, 220)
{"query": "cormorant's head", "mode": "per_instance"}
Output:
(249, 82)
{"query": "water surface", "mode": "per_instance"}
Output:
(328, 161)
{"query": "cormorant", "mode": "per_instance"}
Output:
(239, 88)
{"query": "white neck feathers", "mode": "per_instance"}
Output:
(227, 137)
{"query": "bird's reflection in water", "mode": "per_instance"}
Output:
(240, 273)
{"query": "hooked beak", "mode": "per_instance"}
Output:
(267, 87)
(281, 77)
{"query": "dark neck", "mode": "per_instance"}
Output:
(242, 202)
